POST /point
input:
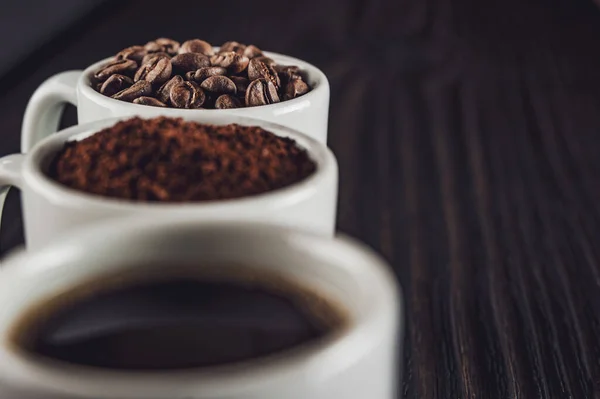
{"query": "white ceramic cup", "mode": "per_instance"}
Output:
(50, 208)
(358, 362)
(307, 114)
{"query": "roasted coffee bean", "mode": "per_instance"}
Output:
(169, 46)
(287, 70)
(138, 89)
(252, 51)
(196, 46)
(115, 84)
(189, 76)
(258, 69)
(189, 62)
(266, 60)
(151, 101)
(287, 73)
(226, 101)
(255, 69)
(219, 85)
(153, 47)
(121, 67)
(135, 53)
(295, 88)
(234, 63)
(187, 95)
(164, 93)
(241, 84)
(236, 47)
(203, 73)
(150, 56)
(156, 71)
(261, 92)
(164, 45)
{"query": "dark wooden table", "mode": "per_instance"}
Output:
(468, 137)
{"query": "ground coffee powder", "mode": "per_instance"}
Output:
(166, 159)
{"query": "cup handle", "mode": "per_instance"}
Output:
(44, 109)
(10, 175)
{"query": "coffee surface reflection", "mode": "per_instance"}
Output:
(175, 323)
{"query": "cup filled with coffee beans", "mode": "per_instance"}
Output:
(225, 167)
(188, 79)
(179, 308)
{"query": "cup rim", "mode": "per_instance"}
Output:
(363, 265)
(40, 182)
(316, 77)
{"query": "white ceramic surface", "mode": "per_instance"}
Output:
(359, 362)
(50, 208)
(307, 114)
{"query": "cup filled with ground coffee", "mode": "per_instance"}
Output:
(175, 308)
(188, 79)
(227, 166)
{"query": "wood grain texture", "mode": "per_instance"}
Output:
(468, 138)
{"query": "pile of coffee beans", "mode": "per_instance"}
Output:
(165, 73)
(170, 160)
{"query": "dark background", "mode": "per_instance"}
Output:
(27, 24)
(468, 138)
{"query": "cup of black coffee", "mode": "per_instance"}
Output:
(173, 308)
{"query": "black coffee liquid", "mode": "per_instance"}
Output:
(172, 324)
